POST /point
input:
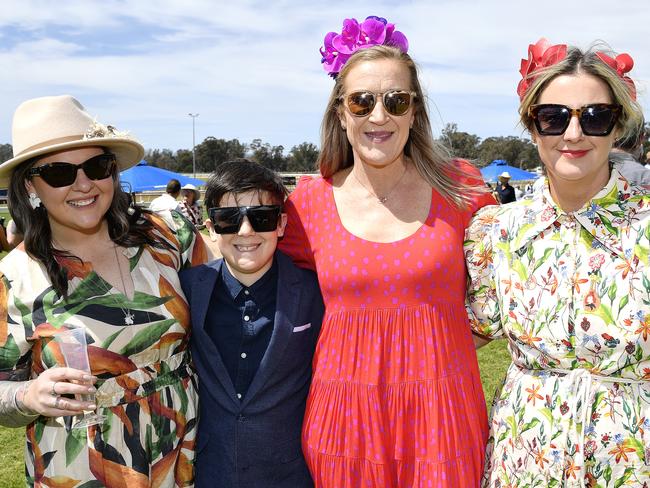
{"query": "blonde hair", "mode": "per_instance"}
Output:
(431, 159)
(588, 62)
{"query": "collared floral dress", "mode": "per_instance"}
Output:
(137, 347)
(571, 294)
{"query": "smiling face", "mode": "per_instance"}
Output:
(378, 139)
(249, 254)
(574, 160)
(78, 209)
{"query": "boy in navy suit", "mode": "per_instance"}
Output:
(255, 322)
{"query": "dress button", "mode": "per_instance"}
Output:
(246, 318)
(243, 355)
(239, 395)
(241, 418)
(246, 292)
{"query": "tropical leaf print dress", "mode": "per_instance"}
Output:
(146, 387)
(571, 293)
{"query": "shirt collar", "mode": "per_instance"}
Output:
(607, 216)
(258, 289)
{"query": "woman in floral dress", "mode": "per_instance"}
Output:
(565, 278)
(90, 261)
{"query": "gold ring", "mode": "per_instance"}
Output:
(53, 392)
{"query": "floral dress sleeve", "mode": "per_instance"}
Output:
(184, 237)
(483, 305)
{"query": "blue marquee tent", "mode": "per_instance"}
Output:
(143, 177)
(492, 171)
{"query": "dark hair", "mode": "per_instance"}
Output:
(241, 176)
(173, 187)
(126, 225)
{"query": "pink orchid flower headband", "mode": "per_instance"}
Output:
(373, 31)
(542, 55)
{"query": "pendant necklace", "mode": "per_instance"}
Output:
(128, 316)
(384, 198)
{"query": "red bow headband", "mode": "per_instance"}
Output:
(622, 64)
(542, 55)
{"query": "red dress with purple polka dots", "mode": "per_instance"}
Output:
(396, 397)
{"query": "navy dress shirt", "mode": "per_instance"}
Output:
(242, 323)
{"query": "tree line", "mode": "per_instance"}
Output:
(518, 151)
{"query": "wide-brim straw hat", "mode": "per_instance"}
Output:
(51, 124)
(505, 174)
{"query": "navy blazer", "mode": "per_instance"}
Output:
(255, 441)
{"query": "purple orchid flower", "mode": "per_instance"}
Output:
(373, 32)
(380, 19)
(346, 42)
(338, 48)
(398, 40)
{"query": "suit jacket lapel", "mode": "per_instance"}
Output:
(201, 294)
(287, 308)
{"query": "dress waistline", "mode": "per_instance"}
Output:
(580, 382)
(143, 381)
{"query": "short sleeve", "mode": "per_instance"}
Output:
(296, 243)
(184, 237)
(472, 176)
(482, 301)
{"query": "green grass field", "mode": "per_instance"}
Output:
(493, 360)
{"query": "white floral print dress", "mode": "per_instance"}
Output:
(571, 294)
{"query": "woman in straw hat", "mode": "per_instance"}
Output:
(189, 205)
(565, 277)
(90, 261)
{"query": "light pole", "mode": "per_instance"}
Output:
(194, 116)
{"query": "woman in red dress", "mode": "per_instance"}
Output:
(396, 397)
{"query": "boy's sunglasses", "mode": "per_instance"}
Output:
(361, 103)
(597, 119)
(228, 220)
(64, 174)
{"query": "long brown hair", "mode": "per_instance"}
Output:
(431, 159)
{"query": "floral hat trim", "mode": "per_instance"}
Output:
(543, 55)
(373, 31)
(98, 130)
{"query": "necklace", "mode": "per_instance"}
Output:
(383, 199)
(128, 316)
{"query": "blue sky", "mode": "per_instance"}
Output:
(252, 69)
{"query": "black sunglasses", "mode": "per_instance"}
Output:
(64, 174)
(228, 220)
(396, 102)
(597, 119)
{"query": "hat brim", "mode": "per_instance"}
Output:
(128, 153)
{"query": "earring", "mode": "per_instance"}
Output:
(34, 201)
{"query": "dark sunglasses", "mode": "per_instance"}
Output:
(396, 102)
(228, 220)
(64, 174)
(597, 119)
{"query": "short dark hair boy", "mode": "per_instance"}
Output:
(255, 322)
